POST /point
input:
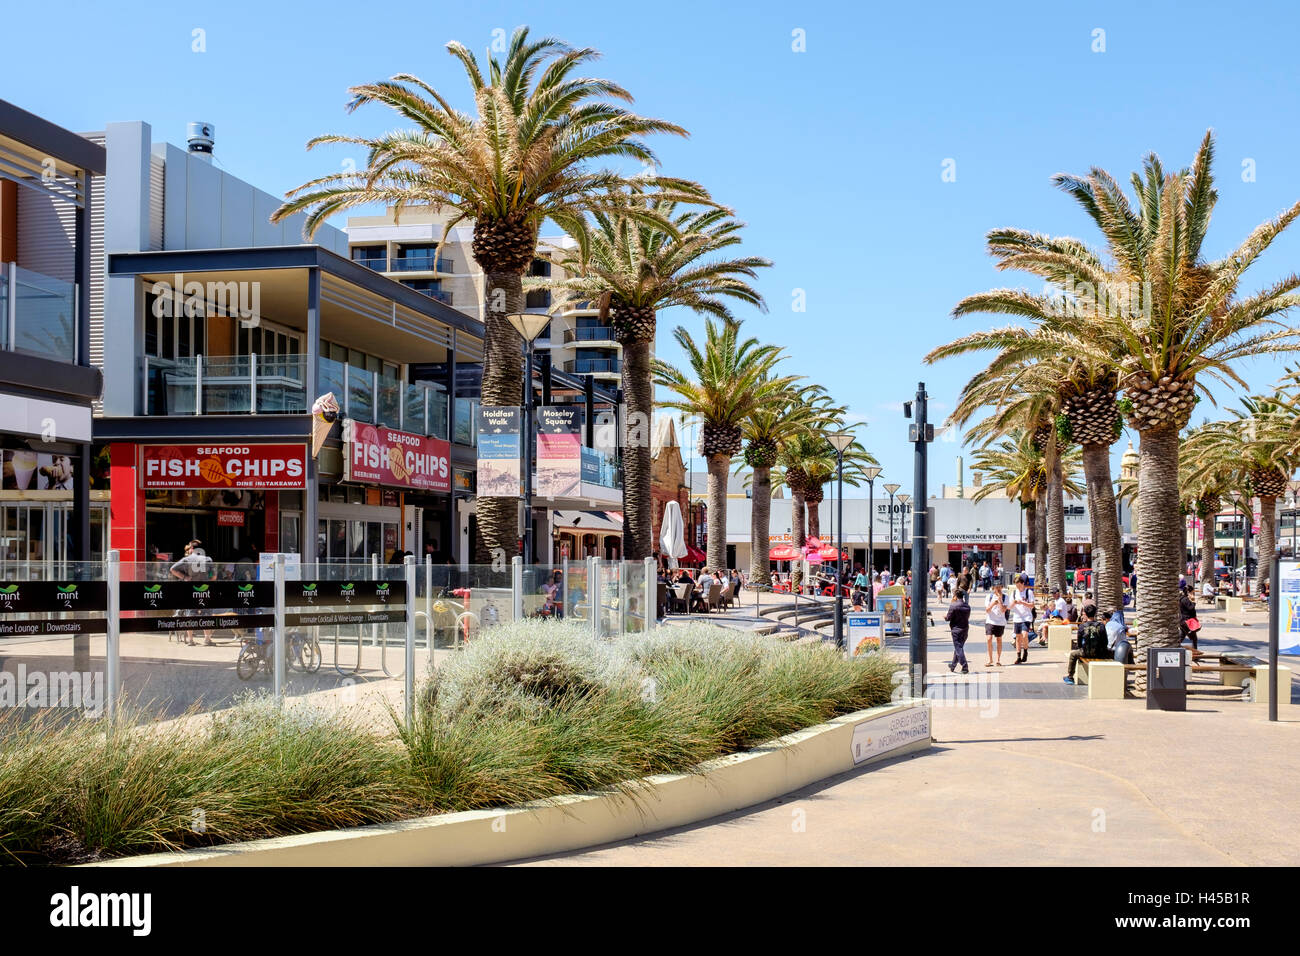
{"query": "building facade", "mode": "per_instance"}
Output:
(48, 383)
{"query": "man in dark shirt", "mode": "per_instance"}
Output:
(1093, 641)
(958, 618)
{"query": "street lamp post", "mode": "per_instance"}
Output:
(892, 489)
(903, 500)
(872, 474)
(840, 441)
(529, 325)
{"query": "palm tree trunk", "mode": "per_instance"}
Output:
(1207, 548)
(498, 518)
(814, 502)
(760, 520)
(1159, 557)
(797, 534)
(1056, 523)
(1031, 530)
(1108, 588)
(638, 508)
(1267, 539)
(719, 466)
(1040, 542)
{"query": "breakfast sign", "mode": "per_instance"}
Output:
(223, 466)
(386, 456)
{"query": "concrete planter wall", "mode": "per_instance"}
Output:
(584, 820)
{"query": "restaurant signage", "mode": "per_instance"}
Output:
(223, 466)
(230, 519)
(386, 456)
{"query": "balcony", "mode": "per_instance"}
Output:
(439, 294)
(594, 334)
(234, 385)
(590, 366)
(374, 263)
(427, 263)
(537, 299)
(38, 314)
(378, 399)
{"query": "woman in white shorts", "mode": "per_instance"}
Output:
(995, 622)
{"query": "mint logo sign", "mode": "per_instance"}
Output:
(67, 594)
(8, 594)
(383, 591)
(200, 594)
(348, 591)
(152, 592)
(244, 592)
(309, 592)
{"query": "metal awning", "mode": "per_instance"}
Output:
(583, 521)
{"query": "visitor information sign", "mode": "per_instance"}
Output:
(498, 451)
(866, 633)
(1288, 607)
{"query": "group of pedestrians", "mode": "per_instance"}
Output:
(945, 580)
(1000, 609)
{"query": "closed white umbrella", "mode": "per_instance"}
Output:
(672, 534)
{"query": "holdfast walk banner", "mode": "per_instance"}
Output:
(498, 451)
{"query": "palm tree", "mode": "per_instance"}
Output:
(1262, 443)
(1023, 395)
(821, 467)
(1191, 325)
(1018, 466)
(779, 421)
(1204, 480)
(729, 379)
(523, 157)
(647, 256)
(1087, 395)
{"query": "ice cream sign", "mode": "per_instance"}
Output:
(224, 466)
(388, 457)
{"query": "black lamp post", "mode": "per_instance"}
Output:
(872, 474)
(892, 488)
(529, 325)
(840, 441)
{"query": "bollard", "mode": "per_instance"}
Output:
(409, 676)
(593, 594)
(113, 642)
(651, 594)
(517, 587)
(279, 628)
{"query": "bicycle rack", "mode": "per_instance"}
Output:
(355, 670)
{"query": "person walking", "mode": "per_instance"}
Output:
(1022, 617)
(1188, 624)
(995, 622)
(958, 618)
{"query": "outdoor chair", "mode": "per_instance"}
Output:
(715, 597)
(661, 599)
(726, 598)
(683, 603)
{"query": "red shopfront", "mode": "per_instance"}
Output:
(228, 495)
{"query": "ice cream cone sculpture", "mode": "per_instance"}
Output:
(324, 412)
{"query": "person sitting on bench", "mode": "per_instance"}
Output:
(1092, 642)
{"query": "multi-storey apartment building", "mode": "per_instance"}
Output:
(412, 250)
(47, 380)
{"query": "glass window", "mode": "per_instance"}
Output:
(168, 338)
(183, 340)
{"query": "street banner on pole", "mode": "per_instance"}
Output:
(559, 451)
(1288, 592)
(498, 451)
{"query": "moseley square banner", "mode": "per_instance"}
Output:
(559, 451)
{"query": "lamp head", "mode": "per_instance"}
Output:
(529, 325)
(904, 498)
(892, 488)
(871, 473)
(840, 441)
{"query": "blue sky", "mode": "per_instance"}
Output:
(834, 155)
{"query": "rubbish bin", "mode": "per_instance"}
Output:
(1166, 678)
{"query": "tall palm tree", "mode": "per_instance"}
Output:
(647, 256)
(1262, 441)
(822, 467)
(523, 157)
(790, 414)
(728, 379)
(1087, 395)
(1204, 479)
(1189, 326)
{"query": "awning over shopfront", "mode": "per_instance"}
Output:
(595, 521)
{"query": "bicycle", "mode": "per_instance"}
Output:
(258, 652)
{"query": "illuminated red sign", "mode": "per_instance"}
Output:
(223, 466)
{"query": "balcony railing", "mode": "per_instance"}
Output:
(427, 263)
(601, 333)
(378, 399)
(377, 263)
(235, 385)
(439, 294)
(588, 366)
(38, 314)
